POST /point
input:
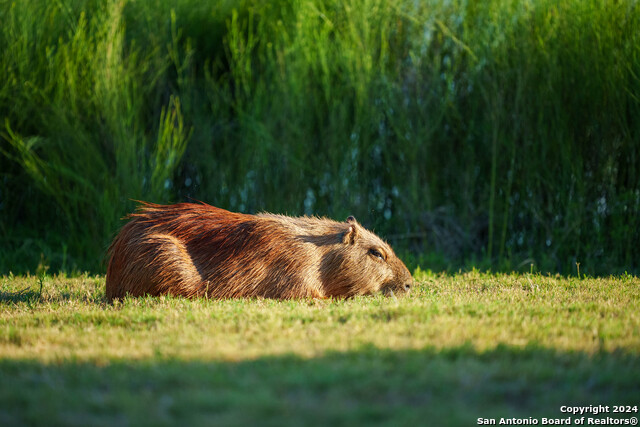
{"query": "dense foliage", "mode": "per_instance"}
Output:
(505, 133)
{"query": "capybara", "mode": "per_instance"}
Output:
(193, 250)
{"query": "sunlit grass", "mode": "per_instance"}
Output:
(71, 319)
(460, 347)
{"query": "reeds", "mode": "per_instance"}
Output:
(502, 132)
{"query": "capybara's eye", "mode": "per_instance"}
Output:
(376, 253)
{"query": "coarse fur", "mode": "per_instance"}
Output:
(193, 249)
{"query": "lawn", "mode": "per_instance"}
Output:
(460, 347)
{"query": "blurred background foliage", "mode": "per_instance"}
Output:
(498, 134)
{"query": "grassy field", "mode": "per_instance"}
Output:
(461, 347)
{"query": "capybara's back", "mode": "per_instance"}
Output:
(195, 250)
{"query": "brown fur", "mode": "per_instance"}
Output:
(195, 250)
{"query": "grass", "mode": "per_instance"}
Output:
(500, 131)
(460, 347)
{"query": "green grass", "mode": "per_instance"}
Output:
(460, 347)
(500, 131)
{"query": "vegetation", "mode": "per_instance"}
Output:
(460, 347)
(498, 133)
(501, 134)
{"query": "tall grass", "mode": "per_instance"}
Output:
(75, 101)
(499, 131)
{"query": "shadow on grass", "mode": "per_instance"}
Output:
(30, 296)
(370, 386)
(24, 295)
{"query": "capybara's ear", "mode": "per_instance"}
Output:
(351, 234)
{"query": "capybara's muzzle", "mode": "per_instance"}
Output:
(395, 289)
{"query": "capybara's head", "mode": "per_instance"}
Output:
(364, 264)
